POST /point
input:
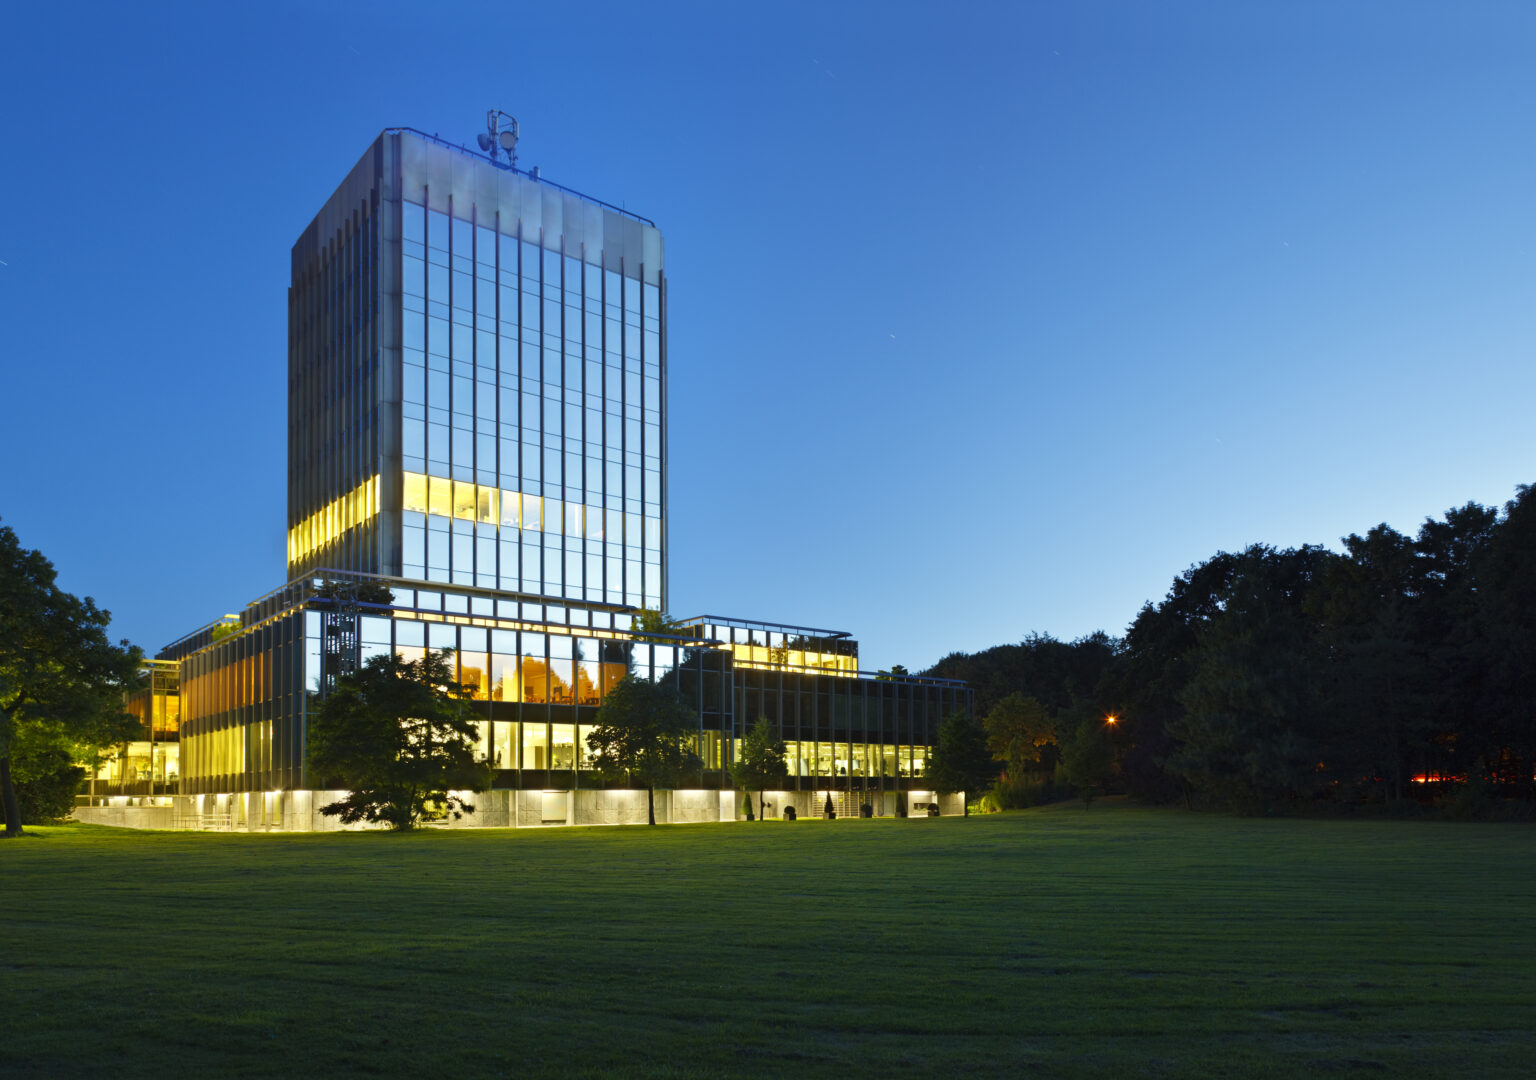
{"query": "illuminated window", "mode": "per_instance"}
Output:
(563, 746)
(415, 493)
(332, 520)
(535, 746)
(441, 496)
(504, 745)
(488, 500)
(464, 500)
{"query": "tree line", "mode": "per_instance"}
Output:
(1401, 669)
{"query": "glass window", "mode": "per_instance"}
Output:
(532, 516)
(440, 636)
(413, 276)
(463, 237)
(413, 330)
(437, 282)
(413, 222)
(535, 672)
(413, 438)
(414, 494)
(488, 504)
(464, 500)
(563, 746)
(535, 746)
(475, 675)
(413, 388)
(554, 563)
(440, 496)
(504, 739)
(562, 677)
(463, 343)
(413, 546)
(437, 230)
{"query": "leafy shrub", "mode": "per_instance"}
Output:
(47, 796)
(1010, 794)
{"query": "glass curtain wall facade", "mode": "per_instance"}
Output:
(151, 763)
(477, 366)
(537, 673)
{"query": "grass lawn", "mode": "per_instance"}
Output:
(1116, 941)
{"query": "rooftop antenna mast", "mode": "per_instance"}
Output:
(500, 134)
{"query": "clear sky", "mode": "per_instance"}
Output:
(984, 318)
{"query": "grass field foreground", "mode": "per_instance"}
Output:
(1113, 941)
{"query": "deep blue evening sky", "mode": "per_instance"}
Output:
(985, 318)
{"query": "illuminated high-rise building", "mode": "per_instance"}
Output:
(477, 463)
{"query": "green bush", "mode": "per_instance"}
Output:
(1009, 794)
(47, 797)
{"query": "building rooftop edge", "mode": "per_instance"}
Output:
(534, 177)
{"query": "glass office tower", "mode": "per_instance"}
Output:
(476, 382)
(477, 464)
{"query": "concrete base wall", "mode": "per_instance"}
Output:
(127, 817)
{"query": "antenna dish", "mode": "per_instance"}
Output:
(500, 135)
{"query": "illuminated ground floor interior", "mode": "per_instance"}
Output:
(501, 808)
(228, 708)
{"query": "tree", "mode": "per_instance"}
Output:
(1087, 759)
(1020, 733)
(1507, 621)
(1056, 673)
(961, 760)
(61, 680)
(396, 736)
(1250, 733)
(644, 731)
(759, 761)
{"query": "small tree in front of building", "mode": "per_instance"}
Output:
(645, 733)
(960, 761)
(396, 735)
(759, 761)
